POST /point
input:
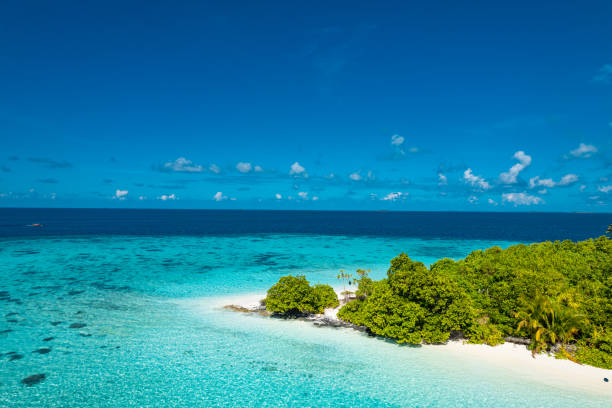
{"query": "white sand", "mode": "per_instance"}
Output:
(514, 358)
(517, 360)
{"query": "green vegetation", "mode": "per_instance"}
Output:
(293, 295)
(558, 294)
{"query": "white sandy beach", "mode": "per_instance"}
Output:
(513, 358)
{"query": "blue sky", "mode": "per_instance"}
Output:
(317, 105)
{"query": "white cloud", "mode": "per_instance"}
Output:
(356, 176)
(142, 198)
(303, 195)
(219, 196)
(492, 202)
(258, 169)
(183, 165)
(315, 198)
(244, 167)
(278, 196)
(214, 168)
(442, 179)
(121, 194)
(568, 179)
(397, 140)
(582, 188)
(509, 177)
(583, 151)
(521, 199)
(543, 191)
(297, 170)
(473, 199)
(166, 197)
(550, 183)
(475, 181)
(394, 196)
(537, 181)
(604, 189)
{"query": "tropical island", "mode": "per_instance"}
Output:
(553, 297)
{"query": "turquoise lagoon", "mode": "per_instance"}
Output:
(155, 334)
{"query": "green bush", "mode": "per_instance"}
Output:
(293, 295)
(412, 305)
(326, 297)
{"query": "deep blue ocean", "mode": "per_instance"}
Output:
(123, 308)
(524, 227)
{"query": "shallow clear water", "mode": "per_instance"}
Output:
(155, 334)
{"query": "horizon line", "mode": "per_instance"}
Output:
(304, 210)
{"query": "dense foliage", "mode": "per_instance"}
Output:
(558, 294)
(293, 295)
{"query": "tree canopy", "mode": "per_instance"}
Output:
(558, 294)
(293, 295)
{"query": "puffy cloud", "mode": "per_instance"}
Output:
(583, 151)
(214, 168)
(278, 196)
(297, 170)
(492, 202)
(442, 179)
(509, 177)
(582, 188)
(244, 167)
(258, 169)
(182, 165)
(566, 180)
(394, 196)
(355, 176)
(537, 181)
(475, 181)
(315, 198)
(121, 194)
(521, 199)
(303, 195)
(219, 196)
(166, 197)
(604, 189)
(473, 199)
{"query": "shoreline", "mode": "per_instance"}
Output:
(513, 358)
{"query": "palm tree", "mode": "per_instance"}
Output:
(535, 320)
(345, 277)
(549, 323)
